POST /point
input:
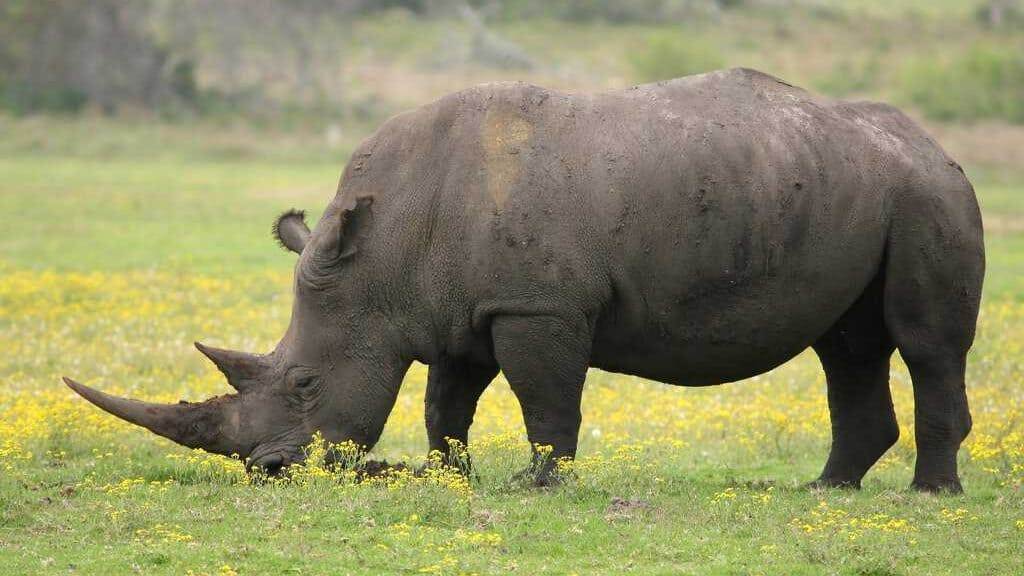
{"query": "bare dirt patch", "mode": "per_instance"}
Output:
(625, 509)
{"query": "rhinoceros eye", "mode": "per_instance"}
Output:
(300, 378)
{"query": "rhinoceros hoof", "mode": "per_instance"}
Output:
(824, 483)
(938, 486)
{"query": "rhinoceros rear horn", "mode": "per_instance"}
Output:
(196, 425)
(240, 368)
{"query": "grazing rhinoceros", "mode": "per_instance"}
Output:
(695, 232)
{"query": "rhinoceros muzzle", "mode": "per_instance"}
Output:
(273, 463)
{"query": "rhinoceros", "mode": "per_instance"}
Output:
(696, 231)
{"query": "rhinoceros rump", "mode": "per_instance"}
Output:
(696, 231)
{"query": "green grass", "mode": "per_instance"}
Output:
(122, 247)
(323, 530)
(92, 214)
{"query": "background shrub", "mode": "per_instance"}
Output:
(852, 76)
(668, 55)
(611, 11)
(985, 82)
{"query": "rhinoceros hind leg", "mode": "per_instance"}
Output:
(545, 360)
(855, 355)
(936, 263)
(453, 389)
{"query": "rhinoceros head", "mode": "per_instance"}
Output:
(332, 372)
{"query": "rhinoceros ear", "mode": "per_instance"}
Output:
(291, 231)
(337, 240)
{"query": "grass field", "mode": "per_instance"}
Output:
(118, 253)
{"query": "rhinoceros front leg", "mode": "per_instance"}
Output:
(453, 389)
(855, 355)
(545, 360)
(863, 421)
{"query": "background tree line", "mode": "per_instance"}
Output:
(231, 56)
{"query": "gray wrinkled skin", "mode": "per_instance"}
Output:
(695, 232)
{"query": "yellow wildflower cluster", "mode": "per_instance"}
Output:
(128, 484)
(727, 494)
(203, 465)
(412, 527)
(745, 500)
(828, 521)
(224, 570)
(1001, 452)
(162, 533)
(956, 516)
(11, 452)
(446, 547)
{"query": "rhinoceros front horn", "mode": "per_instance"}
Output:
(196, 425)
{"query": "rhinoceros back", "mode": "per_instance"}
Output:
(729, 213)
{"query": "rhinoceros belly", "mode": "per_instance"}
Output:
(703, 303)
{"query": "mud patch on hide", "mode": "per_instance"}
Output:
(505, 133)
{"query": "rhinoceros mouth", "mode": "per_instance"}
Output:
(273, 460)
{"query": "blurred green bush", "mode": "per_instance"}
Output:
(852, 76)
(671, 54)
(612, 11)
(21, 99)
(984, 82)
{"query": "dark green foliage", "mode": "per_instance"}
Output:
(21, 98)
(183, 80)
(414, 6)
